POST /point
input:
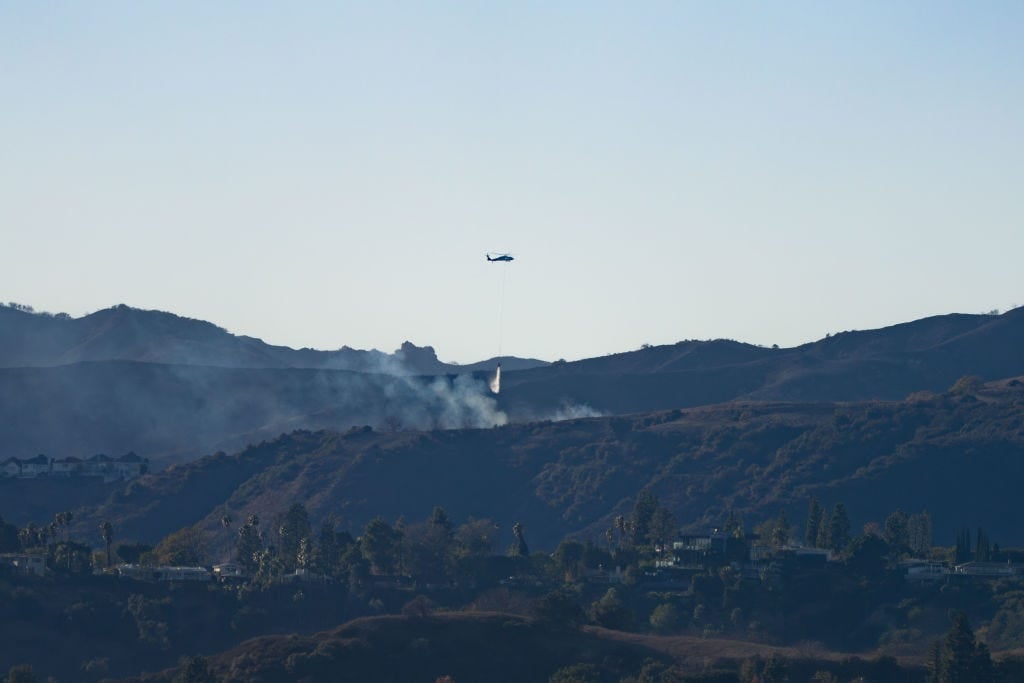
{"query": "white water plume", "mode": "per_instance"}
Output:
(495, 383)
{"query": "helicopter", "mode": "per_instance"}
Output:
(500, 257)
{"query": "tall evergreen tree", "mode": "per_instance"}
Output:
(248, 545)
(981, 548)
(780, 532)
(380, 544)
(107, 531)
(733, 525)
(960, 658)
(919, 531)
(896, 532)
(963, 545)
(663, 527)
(294, 527)
(838, 528)
(814, 519)
(643, 512)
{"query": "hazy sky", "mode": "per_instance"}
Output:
(328, 174)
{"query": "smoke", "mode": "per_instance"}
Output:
(425, 403)
(495, 383)
(573, 411)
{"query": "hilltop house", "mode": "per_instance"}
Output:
(128, 466)
(33, 467)
(67, 467)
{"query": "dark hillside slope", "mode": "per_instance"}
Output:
(884, 364)
(177, 412)
(961, 456)
(130, 334)
(465, 646)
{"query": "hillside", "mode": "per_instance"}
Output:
(176, 412)
(467, 647)
(884, 364)
(479, 646)
(574, 476)
(123, 333)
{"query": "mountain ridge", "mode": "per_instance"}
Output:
(125, 333)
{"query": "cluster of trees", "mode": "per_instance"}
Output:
(649, 525)
(434, 550)
(984, 549)
(63, 554)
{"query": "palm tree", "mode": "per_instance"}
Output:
(107, 529)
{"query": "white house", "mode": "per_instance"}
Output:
(66, 467)
(11, 467)
(34, 467)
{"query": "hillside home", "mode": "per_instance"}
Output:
(11, 467)
(182, 573)
(68, 467)
(923, 571)
(99, 465)
(130, 465)
(229, 571)
(35, 467)
(163, 573)
(985, 569)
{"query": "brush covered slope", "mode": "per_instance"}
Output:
(464, 646)
(130, 334)
(884, 364)
(224, 392)
(573, 477)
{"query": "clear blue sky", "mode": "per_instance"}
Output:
(320, 174)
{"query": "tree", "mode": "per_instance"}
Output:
(610, 611)
(249, 544)
(22, 673)
(568, 556)
(896, 531)
(838, 528)
(475, 538)
(107, 531)
(981, 548)
(380, 545)
(426, 551)
(665, 618)
(294, 527)
(643, 512)
(814, 519)
(559, 608)
(780, 532)
(733, 525)
(960, 658)
(968, 384)
(329, 548)
(8, 537)
(133, 552)
(184, 548)
(919, 533)
(195, 670)
(963, 545)
(577, 673)
(520, 549)
(776, 669)
(70, 557)
(663, 527)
